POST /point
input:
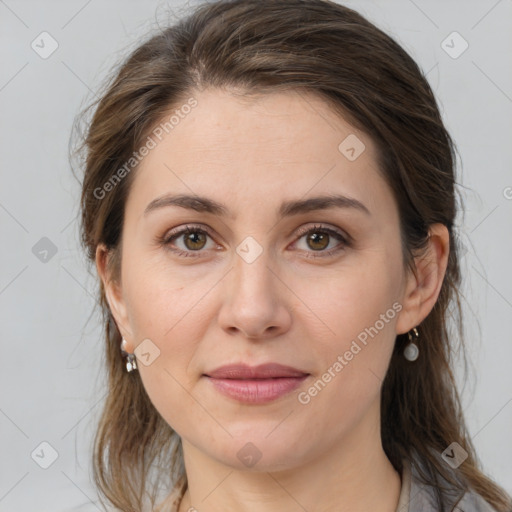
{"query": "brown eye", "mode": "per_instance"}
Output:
(318, 240)
(322, 241)
(194, 240)
(190, 241)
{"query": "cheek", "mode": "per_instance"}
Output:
(351, 298)
(159, 297)
(163, 311)
(169, 317)
(354, 365)
(169, 308)
(356, 310)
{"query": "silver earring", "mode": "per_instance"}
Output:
(131, 363)
(411, 351)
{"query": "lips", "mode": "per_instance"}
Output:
(256, 384)
(262, 371)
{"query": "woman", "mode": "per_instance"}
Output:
(269, 201)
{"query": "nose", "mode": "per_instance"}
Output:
(255, 304)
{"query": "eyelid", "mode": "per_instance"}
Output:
(183, 229)
(319, 227)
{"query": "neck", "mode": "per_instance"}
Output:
(353, 475)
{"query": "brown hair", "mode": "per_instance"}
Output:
(252, 47)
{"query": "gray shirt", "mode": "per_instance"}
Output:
(415, 496)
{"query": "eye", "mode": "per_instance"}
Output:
(192, 238)
(318, 238)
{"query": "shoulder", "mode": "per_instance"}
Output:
(439, 494)
(473, 502)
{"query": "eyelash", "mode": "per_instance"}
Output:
(169, 237)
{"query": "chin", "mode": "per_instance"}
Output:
(257, 450)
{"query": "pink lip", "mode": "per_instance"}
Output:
(262, 371)
(258, 384)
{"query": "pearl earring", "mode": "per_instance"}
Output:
(411, 351)
(131, 363)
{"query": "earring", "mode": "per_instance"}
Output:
(411, 351)
(131, 363)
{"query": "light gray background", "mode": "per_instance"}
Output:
(51, 388)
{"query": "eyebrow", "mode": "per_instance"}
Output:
(287, 209)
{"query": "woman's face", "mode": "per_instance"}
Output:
(275, 277)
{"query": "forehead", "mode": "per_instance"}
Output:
(258, 149)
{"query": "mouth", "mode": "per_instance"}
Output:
(256, 385)
(241, 371)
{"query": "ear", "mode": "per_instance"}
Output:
(422, 290)
(113, 293)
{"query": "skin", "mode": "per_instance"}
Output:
(216, 308)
